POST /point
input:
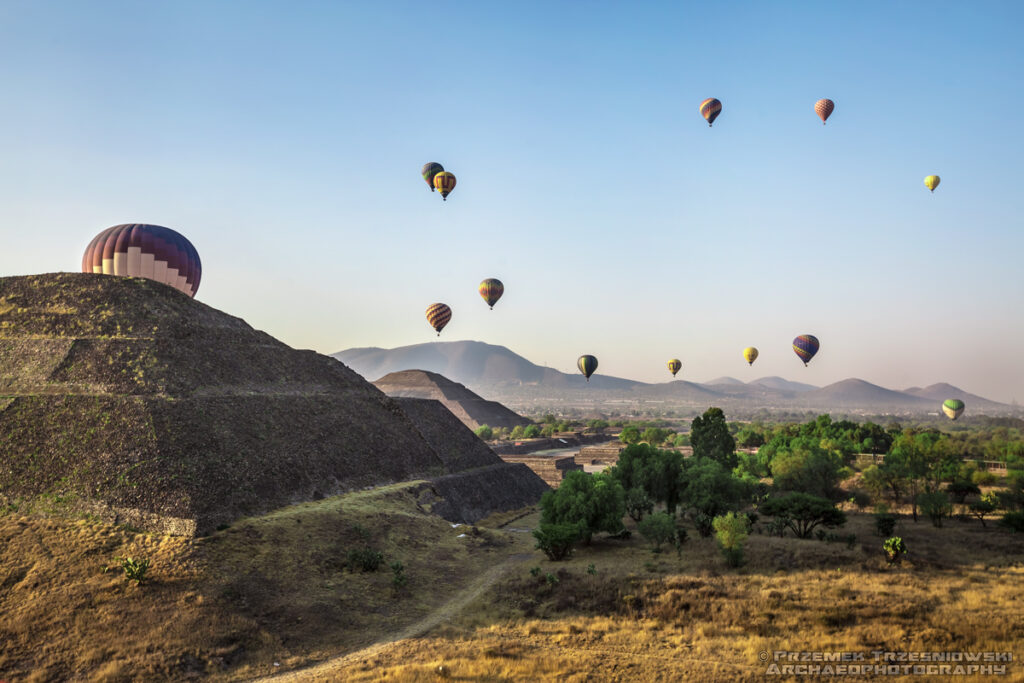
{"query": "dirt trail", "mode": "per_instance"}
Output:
(328, 670)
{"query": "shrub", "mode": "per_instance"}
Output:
(658, 528)
(895, 549)
(551, 579)
(398, 577)
(591, 569)
(680, 539)
(960, 489)
(485, 432)
(556, 540)
(365, 559)
(638, 503)
(885, 524)
(935, 505)
(590, 502)
(777, 527)
(987, 505)
(534, 571)
(1014, 521)
(731, 532)
(984, 478)
(531, 432)
(134, 569)
(704, 523)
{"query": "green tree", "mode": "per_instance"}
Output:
(485, 432)
(658, 528)
(710, 437)
(655, 435)
(593, 502)
(638, 503)
(556, 540)
(959, 489)
(707, 488)
(531, 432)
(985, 506)
(803, 512)
(629, 435)
(517, 432)
(731, 531)
(935, 505)
(806, 467)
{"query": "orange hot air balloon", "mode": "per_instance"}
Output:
(445, 183)
(710, 109)
(438, 316)
(149, 251)
(823, 108)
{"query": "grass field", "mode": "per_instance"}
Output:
(272, 595)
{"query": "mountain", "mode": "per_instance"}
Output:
(132, 401)
(724, 380)
(470, 408)
(783, 384)
(940, 392)
(475, 364)
(858, 393)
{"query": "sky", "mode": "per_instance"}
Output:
(285, 140)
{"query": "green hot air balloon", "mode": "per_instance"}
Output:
(952, 407)
(430, 170)
(587, 365)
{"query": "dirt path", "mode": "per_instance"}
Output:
(328, 670)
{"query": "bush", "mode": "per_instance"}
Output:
(804, 512)
(1014, 521)
(885, 524)
(983, 478)
(935, 505)
(704, 523)
(986, 506)
(484, 432)
(638, 503)
(960, 489)
(531, 432)
(777, 527)
(731, 532)
(398, 577)
(365, 559)
(556, 540)
(658, 528)
(134, 570)
(895, 549)
(590, 502)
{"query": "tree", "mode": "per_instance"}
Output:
(655, 435)
(531, 432)
(806, 467)
(710, 437)
(517, 432)
(731, 531)
(709, 489)
(935, 505)
(485, 432)
(986, 506)
(629, 435)
(593, 502)
(638, 503)
(556, 540)
(960, 489)
(658, 528)
(803, 512)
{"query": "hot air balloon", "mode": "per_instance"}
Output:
(674, 366)
(429, 171)
(710, 109)
(587, 365)
(931, 182)
(952, 407)
(438, 316)
(823, 108)
(149, 251)
(445, 183)
(805, 346)
(491, 290)
(750, 355)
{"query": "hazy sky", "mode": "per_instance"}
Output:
(285, 139)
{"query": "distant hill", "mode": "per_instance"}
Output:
(472, 363)
(856, 392)
(470, 408)
(938, 393)
(783, 384)
(724, 380)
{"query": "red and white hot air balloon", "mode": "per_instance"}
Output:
(149, 251)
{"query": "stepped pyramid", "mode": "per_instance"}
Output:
(470, 408)
(125, 396)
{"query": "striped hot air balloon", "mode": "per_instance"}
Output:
(438, 316)
(491, 290)
(823, 108)
(953, 407)
(750, 355)
(429, 171)
(445, 183)
(710, 109)
(149, 251)
(805, 346)
(931, 182)
(674, 366)
(587, 365)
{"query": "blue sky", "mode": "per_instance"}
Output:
(285, 141)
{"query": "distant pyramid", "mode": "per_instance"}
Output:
(470, 408)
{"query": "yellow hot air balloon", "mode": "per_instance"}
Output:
(674, 366)
(931, 182)
(750, 355)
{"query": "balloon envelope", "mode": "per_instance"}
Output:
(445, 183)
(750, 355)
(430, 170)
(805, 346)
(438, 316)
(931, 182)
(952, 407)
(587, 365)
(674, 366)
(710, 109)
(491, 290)
(149, 251)
(823, 108)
